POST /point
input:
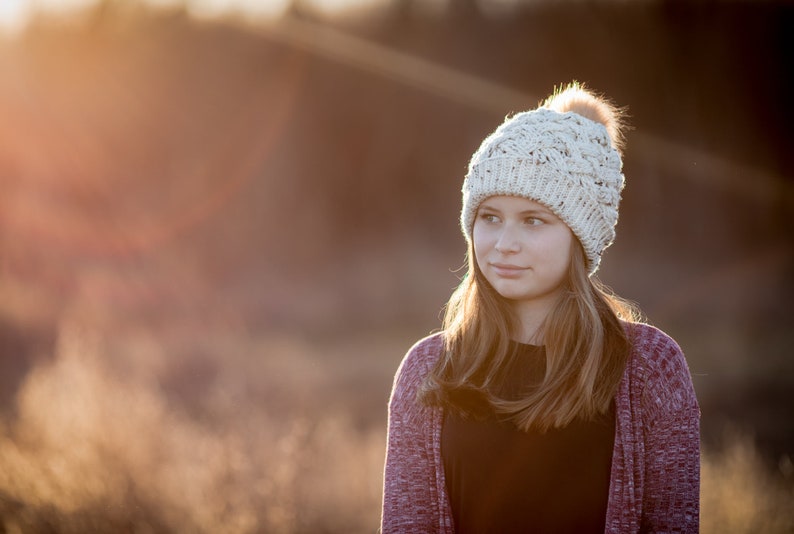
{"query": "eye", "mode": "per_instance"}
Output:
(534, 221)
(489, 217)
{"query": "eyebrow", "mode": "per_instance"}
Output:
(533, 211)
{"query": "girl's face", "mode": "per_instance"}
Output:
(522, 248)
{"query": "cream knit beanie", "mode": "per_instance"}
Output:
(560, 159)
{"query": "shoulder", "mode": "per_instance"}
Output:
(424, 353)
(651, 345)
(416, 365)
(658, 369)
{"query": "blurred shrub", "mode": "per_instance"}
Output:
(93, 449)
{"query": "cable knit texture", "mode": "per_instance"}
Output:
(561, 160)
(655, 479)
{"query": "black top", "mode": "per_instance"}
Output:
(501, 479)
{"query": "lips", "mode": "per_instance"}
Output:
(506, 270)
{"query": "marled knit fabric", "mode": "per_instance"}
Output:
(655, 480)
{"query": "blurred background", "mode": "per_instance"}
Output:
(223, 223)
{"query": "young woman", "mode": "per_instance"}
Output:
(543, 405)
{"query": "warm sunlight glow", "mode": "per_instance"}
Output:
(333, 7)
(16, 14)
(247, 8)
(224, 222)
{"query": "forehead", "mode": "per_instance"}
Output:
(513, 204)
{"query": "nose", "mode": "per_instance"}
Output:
(507, 242)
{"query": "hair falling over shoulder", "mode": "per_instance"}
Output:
(586, 351)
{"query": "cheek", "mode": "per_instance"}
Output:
(481, 241)
(565, 247)
(481, 247)
(565, 263)
(559, 248)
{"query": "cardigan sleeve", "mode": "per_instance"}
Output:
(410, 493)
(671, 498)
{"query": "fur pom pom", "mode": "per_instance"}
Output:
(579, 99)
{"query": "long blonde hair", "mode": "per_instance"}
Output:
(586, 344)
(586, 349)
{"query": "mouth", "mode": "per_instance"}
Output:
(507, 270)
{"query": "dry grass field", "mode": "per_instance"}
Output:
(139, 431)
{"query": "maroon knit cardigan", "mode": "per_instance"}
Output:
(655, 480)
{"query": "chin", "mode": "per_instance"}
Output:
(512, 294)
(524, 294)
